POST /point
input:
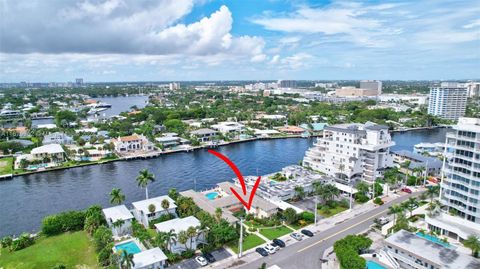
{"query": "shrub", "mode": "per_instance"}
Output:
(63, 222)
(59, 266)
(252, 230)
(187, 254)
(102, 237)
(6, 241)
(361, 198)
(348, 248)
(22, 242)
(378, 201)
(307, 216)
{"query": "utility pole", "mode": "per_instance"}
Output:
(316, 209)
(351, 194)
(240, 242)
(426, 175)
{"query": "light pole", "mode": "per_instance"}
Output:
(240, 242)
(315, 209)
(351, 193)
(426, 175)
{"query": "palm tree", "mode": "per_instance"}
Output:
(171, 236)
(143, 178)
(433, 208)
(165, 204)
(472, 242)
(218, 214)
(161, 240)
(299, 192)
(328, 192)
(395, 210)
(151, 208)
(116, 196)
(410, 204)
(433, 192)
(127, 260)
(183, 238)
(191, 233)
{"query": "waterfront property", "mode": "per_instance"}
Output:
(229, 127)
(209, 201)
(142, 210)
(460, 187)
(119, 219)
(352, 152)
(57, 138)
(178, 225)
(291, 130)
(448, 101)
(132, 143)
(433, 165)
(204, 134)
(413, 251)
(48, 155)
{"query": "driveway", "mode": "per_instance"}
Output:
(219, 255)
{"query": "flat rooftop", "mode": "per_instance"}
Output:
(119, 212)
(442, 256)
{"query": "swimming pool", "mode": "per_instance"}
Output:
(212, 195)
(433, 239)
(374, 265)
(129, 247)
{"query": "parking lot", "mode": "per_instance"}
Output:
(192, 264)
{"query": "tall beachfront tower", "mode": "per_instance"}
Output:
(460, 187)
(352, 152)
(448, 101)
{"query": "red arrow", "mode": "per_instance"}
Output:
(240, 178)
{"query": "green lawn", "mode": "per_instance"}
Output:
(6, 166)
(331, 211)
(74, 250)
(250, 241)
(273, 233)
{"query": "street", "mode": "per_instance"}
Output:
(308, 253)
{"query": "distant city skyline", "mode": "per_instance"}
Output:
(198, 40)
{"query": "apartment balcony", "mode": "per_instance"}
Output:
(461, 137)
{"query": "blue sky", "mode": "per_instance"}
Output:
(123, 40)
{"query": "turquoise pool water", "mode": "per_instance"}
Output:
(212, 195)
(129, 247)
(433, 239)
(374, 265)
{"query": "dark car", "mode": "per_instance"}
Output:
(307, 232)
(209, 257)
(407, 190)
(278, 242)
(262, 252)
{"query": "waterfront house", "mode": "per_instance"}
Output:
(265, 133)
(178, 225)
(142, 213)
(433, 165)
(153, 258)
(204, 134)
(119, 219)
(168, 141)
(132, 143)
(228, 127)
(291, 130)
(432, 149)
(210, 205)
(315, 128)
(53, 152)
(57, 138)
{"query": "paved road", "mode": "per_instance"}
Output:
(308, 253)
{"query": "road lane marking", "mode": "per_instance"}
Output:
(344, 230)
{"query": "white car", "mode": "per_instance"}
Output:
(270, 249)
(201, 260)
(296, 236)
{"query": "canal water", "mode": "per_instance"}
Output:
(26, 200)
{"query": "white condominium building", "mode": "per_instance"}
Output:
(448, 101)
(460, 188)
(351, 152)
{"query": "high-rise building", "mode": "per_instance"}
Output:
(449, 101)
(287, 84)
(79, 82)
(351, 152)
(371, 85)
(460, 187)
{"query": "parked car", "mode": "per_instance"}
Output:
(296, 236)
(407, 190)
(278, 242)
(270, 249)
(209, 257)
(383, 220)
(307, 232)
(262, 252)
(201, 260)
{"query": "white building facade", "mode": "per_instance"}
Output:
(460, 187)
(351, 152)
(142, 213)
(449, 101)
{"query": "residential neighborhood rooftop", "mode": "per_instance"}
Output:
(177, 224)
(157, 202)
(119, 212)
